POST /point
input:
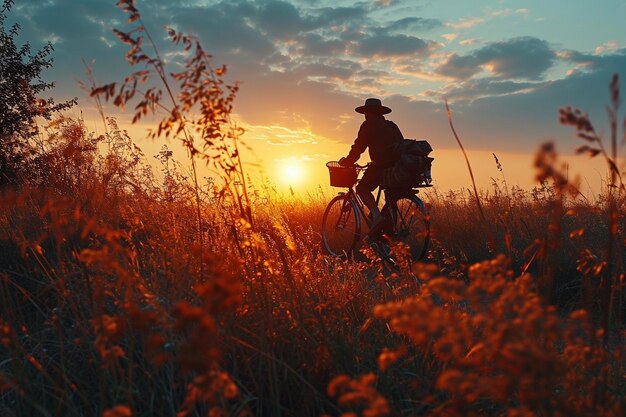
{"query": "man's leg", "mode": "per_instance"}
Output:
(369, 182)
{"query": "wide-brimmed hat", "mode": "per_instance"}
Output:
(373, 105)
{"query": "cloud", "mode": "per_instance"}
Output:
(607, 47)
(330, 16)
(313, 44)
(77, 29)
(529, 119)
(449, 36)
(467, 42)
(332, 69)
(509, 12)
(615, 62)
(385, 3)
(55, 19)
(466, 23)
(280, 135)
(501, 12)
(459, 67)
(523, 58)
(413, 24)
(281, 20)
(485, 87)
(392, 45)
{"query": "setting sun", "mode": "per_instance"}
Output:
(292, 173)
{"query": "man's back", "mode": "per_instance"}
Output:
(381, 136)
(384, 136)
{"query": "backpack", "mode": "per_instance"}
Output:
(413, 167)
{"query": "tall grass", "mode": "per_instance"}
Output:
(124, 293)
(104, 307)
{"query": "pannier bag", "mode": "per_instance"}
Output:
(413, 168)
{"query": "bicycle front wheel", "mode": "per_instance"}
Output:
(412, 224)
(341, 226)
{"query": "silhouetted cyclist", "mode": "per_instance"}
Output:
(381, 136)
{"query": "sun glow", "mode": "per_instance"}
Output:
(292, 172)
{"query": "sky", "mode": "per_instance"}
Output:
(505, 66)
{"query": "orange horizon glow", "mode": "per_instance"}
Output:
(292, 159)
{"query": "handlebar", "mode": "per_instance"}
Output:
(336, 164)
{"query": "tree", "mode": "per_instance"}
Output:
(20, 104)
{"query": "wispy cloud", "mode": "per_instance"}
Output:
(468, 42)
(509, 12)
(280, 135)
(466, 23)
(502, 12)
(608, 46)
(449, 36)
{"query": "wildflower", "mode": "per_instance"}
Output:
(119, 410)
(359, 394)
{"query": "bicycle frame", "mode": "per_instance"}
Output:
(353, 195)
(394, 226)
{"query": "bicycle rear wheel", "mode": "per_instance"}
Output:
(412, 224)
(341, 226)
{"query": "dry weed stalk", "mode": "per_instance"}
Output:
(490, 238)
(613, 280)
(201, 88)
(548, 248)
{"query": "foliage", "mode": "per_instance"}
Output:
(20, 104)
(198, 110)
(501, 350)
(613, 274)
(105, 310)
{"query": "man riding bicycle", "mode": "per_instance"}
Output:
(382, 137)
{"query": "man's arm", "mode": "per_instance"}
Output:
(359, 146)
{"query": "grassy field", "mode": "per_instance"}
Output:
(110, 306)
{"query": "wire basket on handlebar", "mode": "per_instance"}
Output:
(341, 176)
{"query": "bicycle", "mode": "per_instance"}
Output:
(405, 217)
